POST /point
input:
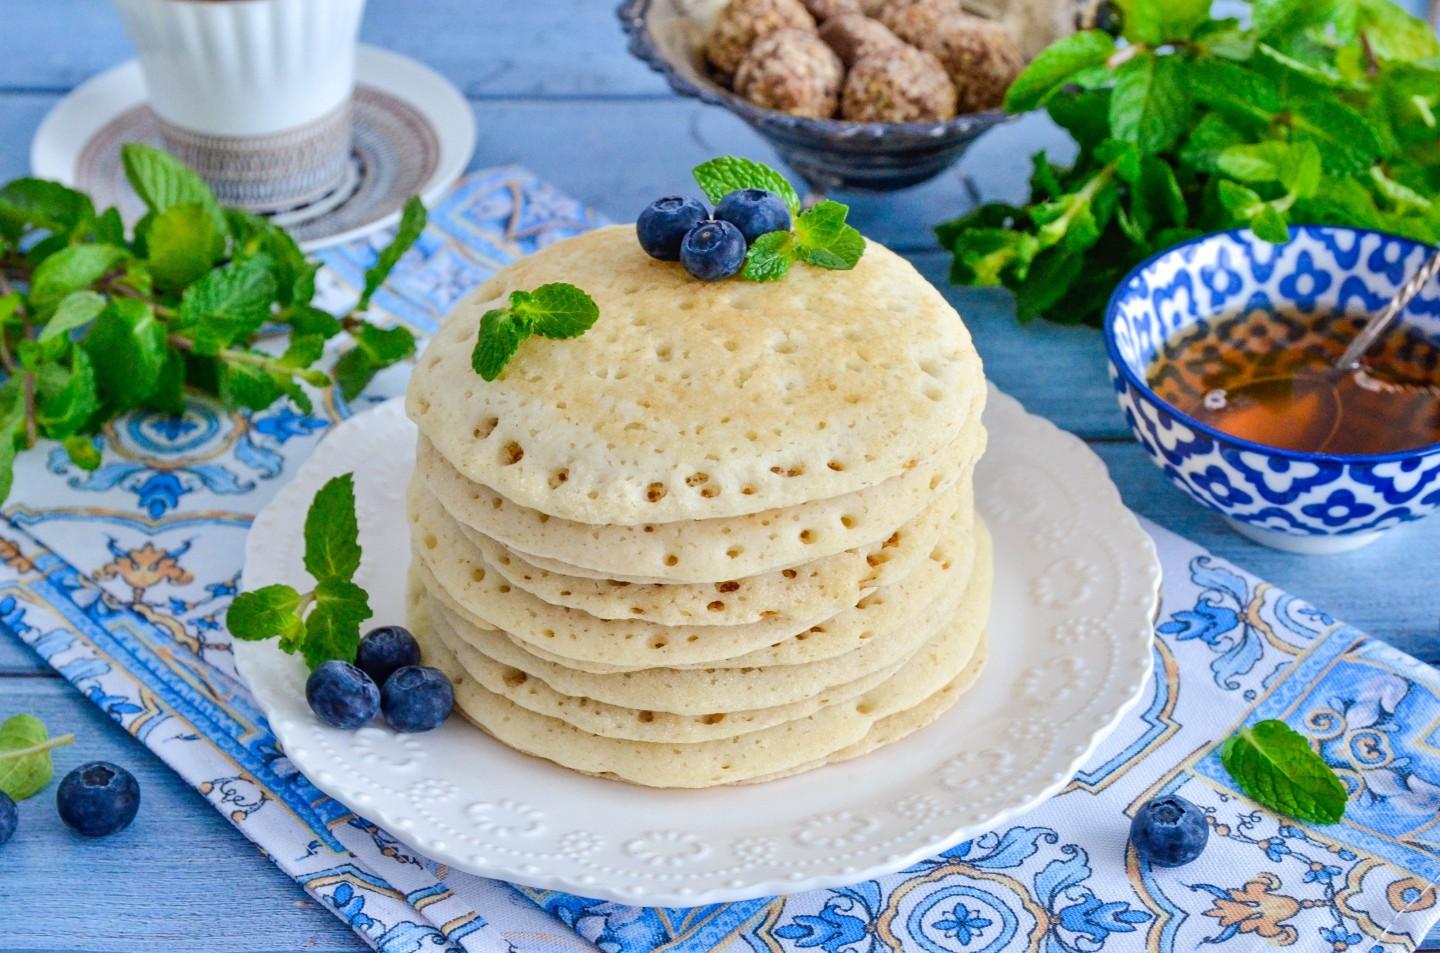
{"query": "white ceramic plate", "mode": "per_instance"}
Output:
(81, 134)
(1077, 584)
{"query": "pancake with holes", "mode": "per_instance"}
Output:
(726, 534)
(696, 752)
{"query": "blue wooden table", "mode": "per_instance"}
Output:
(553, 89)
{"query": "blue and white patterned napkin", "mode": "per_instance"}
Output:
(119, 579)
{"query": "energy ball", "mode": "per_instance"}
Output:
(914, 21)
(823, 10)
(743, 22)
(854, 37)
(981, 56)
(792, 71)
(901, 84)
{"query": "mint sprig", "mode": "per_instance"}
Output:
(95, 322)
(556, 310)
(1274, 765)
(25, 746)
(324, 623)
(819, 237)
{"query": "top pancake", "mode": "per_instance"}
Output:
(693, 400)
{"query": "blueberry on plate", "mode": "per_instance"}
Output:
(385, 649)
(9, 817)
(417, 698)
(98, 799)
(341, 695)
(662, 226)
(755, 212)
(713, 250)
(1169, 831)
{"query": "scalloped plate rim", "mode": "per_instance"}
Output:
(255, 661)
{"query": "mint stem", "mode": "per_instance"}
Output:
(56, 742)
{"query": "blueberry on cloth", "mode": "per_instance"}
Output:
(384, 650)
(1169, 831)
(417, 698)
(755, 212)
(342, 695)
(713, 250)
(9, 817)
(662, 226)
(98, 799)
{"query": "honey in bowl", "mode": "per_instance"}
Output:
(1270, 378)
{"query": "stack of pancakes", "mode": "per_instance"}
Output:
(726, 535)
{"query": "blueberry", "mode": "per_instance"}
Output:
(662, 226)
(342, 695)
(9, 817)
(98, 799)
(386, 649)
(1169, 831)
(417, 698)
(755, 212)
(713, 250)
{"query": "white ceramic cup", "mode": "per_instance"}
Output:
(252, 94)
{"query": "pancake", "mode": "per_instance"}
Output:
(705, 691)
(700, 551)
(811, 590)
(691, 400)
(831, 731)
(455, 573)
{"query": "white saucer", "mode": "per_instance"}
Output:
(1076, 592)
(414, 135)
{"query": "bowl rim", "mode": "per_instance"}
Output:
(1219, 436)
(632, 15)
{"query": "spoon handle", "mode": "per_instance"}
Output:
(1376, 325)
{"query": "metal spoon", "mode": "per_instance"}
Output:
(1377, 325)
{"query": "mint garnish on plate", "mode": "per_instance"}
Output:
(556, 310)
(1274, 764)
(820, 236)
(324, 623)
(25, 746)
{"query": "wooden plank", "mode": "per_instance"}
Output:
(180, 878)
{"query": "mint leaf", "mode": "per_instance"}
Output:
(128, 347)
(162, 182)
(993, 256)
(1269, 224)
(822, 238)
(1054, 66)
(1274, 765)
(304, 350)
(70, 269)
(375, 349)
(77, 309)
(725, 174)
(43, 204)
(555, 310)
(69, 408)
(266, 613)
(82, 452)
(182, 243)
(307, 320)
(332, 629)
(1150, 105)
(25, 746)
(412, 224)
(332, 535)
(501, 333)
(1348, 142)
(769, 257)
(1156, 21)
(229, 304)
(248, 385)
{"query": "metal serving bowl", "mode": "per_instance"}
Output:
(833, 154)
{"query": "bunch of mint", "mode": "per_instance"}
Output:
(1320, 112)
(94, 323)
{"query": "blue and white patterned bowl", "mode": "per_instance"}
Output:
(1300, 502)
